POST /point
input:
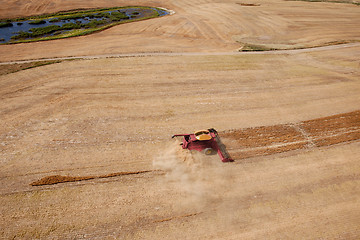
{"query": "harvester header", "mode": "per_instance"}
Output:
(207, 142)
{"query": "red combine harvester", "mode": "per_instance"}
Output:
(207, 142)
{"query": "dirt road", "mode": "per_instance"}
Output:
(290, 119)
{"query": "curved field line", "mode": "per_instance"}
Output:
(153, 54)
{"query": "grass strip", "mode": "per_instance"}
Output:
(257, 47)
(16, 67)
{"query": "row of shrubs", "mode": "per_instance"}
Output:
(41, 31)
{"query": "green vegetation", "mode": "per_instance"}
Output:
(54, 20)
(72, 12)
(95, 23)
(247, 47)
(44, 30)
(70, 17)
(81, 16)
(5, 24)
(41, 31)
(16, 67)
(21, 35)
(69, 26)
(118, 16)
(35, 32)
(90, 21)
(37, 22)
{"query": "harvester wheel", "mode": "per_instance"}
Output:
(208, 151)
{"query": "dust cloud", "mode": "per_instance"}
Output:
(204, 180)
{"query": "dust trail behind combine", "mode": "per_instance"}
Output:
(215, 190)
(191, 171)
(203, 179)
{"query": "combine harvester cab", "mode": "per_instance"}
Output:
(207, 142)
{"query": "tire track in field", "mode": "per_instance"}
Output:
(268, 140)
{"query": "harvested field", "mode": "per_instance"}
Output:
(261, 141)
(95, 117)
(290, 118)
(267, 140)
(196, 26)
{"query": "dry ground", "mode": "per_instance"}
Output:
(267, 140)
(197, 26)
(110, 116)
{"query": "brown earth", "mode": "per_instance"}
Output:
(271, 139)
(50, 180)
(197, 26)
(94, 117)
(266, 140)
(115, 115)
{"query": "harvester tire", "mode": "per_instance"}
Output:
(208, 151)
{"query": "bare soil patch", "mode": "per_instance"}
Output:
(50, 180)
(267, 140)
(249, 4)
